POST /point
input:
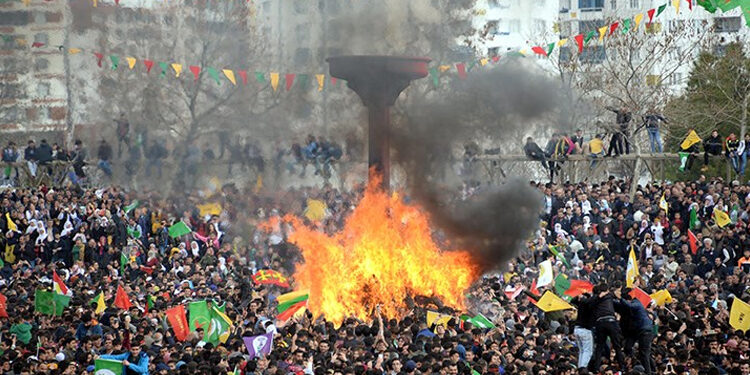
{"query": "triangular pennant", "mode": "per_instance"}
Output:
(562, 42)
(471, 66)
(177, 69)
(626, 25)
(579, 42)
(230, 76)
(243, 76)
(435, 76)
(638, 20)
(690, 5)
(613, 27)
(149, 64)
(274, 81)
(214, 74)
(676, 5)
(484, 61)
(131, 62)
(651, 13)
(260, 77)
(550, 48)
(164, 67)
(99, 58)
(196, 70)
(73, 51)
(37, 45)
(321, 78)
(445, 68)
(302, 81)
(539, 50)
(495, 59)
(115, 61)
(589, 36)
(289, 80)
(602, 31)
(661, 9)
(461, 68)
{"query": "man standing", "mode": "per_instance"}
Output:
(651, 121)
(711, 145)
(605, 327)
(105, 154)
(623, 134)
(641, 325)
(29, 154)
(123, 133)
(582, 330)
(79, 158)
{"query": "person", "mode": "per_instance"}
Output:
(554, 155)
(104, 153)
(582, 330)
(10, 156)
(155, 154)
(651, 121)
(534, 152)
(123, 133)
(641, 327)
(79, 158)
(578, 141)
(621, 137)
(711, 146)
(29, 154)
(743, 150)
(731, 149)
(596, 149)
(134, 361)
(605, 327)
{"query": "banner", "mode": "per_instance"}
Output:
(177, 319)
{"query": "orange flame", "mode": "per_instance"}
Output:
(384, 253)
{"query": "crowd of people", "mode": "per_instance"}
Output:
(98, 241)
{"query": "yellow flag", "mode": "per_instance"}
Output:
(436, 318)
(721, 217)
(316, 210)
(21, 42)
(663, 204)
(274, 80)
(230, 76)
(177, 69)
(602, 31)
(562, 42)
(100, 304)
(444, 68)
(96, 3)
(739, 317)
(638, 19)
(11, 225)
(551, 302)
(73, 51)
(131, 62)
(284, 298)
(321, 81)
(691, 139)
(662, 297)
(209, 209)
(258, 184)
(484, 61)
(632, 272)
(676, 5)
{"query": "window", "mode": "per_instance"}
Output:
(267, 7)
(635, 4)
(565, 55)
(42, 89)
(653, 80)
(501, 4)
(301, 32)
(514, 26)
(653, 28)
(9, 115)
(493, 51)
(590, 5)
(676, 25)
(675, 79)
(593, 55)
(41, 64)
(727, 24)
(540, 26)
(613, 4)
(41, 38)
(564, 6)
(40, 17)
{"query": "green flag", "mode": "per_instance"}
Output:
(693, 223)
(50, 303)
(115, 61)
(562, 284)
(214, 74)
(107, 367)
(179, 229)
(302, 80)
(550, 48)
(435, 76)
(709, 5)
(480, 321)
(219, 328)
(626, 26)
(260, 77)
(683, 160)
(164, 67)
(123, 262)
(661, 9)
(199, 315)
(588, 37)
(131, 206)
(134, 231)
(553, 250)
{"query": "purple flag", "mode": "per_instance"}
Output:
(259, 345)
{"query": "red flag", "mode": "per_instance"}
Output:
(613, 27)
(59, 287)
(495, 59)
(693, 242)
(289, 78)
(461, 67)
(121, 299)
(690, 4)
(286, 314)
(3, 311)
(641, 296)
(512, 292)
(579, 41)
(99, 58)
(533, 291)
(243, 75)
(149, 64)
(37, 44)
(196, 71)
(651, 15)
(578, 287)
(539, 51)
(177, 319)
(333, 81)
(265, 277)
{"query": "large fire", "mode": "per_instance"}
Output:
(384, 253)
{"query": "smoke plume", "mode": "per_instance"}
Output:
(499, 101)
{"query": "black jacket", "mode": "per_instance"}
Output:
(44, 153)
